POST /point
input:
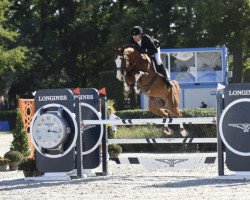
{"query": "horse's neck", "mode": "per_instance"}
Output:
(142, 62)
(148, 67)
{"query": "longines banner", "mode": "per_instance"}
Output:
(89, 108)
(59, 102)
(234, 126)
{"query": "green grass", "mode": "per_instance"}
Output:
(5, 132)
(139, 132)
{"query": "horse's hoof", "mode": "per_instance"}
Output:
(184, 133)
(168, 131)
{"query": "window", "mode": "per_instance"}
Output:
(209, 67)
(194, 66)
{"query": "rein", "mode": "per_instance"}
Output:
(131, 67)
(134, 64)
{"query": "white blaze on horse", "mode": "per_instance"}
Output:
(134, 68)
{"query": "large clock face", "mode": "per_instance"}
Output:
(49, 130)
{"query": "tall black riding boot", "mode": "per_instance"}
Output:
(163, 71)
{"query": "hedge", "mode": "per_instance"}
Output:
(195, 131)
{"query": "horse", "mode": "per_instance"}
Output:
(135, 68)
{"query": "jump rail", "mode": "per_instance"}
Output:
(194, 120)
(163, 141)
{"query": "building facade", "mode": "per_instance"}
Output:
(198, 71)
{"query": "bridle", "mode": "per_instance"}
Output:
(126, 69)
(144, 88)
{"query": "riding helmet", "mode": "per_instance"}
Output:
(136, 30)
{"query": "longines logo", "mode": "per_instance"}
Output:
(86, 97)
(171, 162)
(53, 98)
(244, 126)
(238, 92)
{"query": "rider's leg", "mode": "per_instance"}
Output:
(161, 69)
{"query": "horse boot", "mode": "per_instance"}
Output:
(162, 70)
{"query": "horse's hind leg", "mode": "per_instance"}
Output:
(183, 131)
(173, 100)
(156, 106)
(176, 112)
(173, 109)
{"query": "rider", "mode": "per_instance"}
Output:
(145, 44)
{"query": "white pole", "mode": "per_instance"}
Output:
(163, 141)
(195, 120)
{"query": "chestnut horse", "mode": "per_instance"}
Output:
(134, 68)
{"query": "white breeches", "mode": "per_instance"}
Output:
(158, 56)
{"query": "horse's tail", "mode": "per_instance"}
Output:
(175, 94)
(177, 87)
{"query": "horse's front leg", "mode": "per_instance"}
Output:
(126, 87)
(139, 81)
(156, 106)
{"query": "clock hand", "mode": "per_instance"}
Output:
(54, 131)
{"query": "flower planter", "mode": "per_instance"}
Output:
(113, 155)
(13, 166)
(28, 173)
(32, 173)
(3, 167)
(114, 150)
(37, 173)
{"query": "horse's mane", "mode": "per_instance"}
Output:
(129, 48)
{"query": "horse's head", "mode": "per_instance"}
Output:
(127, 60)
(119, 61)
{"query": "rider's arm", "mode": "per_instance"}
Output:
(149, 44)
(136, 45)
(132, 42)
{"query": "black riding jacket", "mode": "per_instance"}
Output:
(148, 45)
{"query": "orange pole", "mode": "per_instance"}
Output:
(27, 108)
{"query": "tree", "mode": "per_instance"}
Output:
(70, 42)
(20, 139)
(12, 56)
(227, 22)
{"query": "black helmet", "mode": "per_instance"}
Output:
(136, 30)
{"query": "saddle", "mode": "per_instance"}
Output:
(157, 69)
(161, 71)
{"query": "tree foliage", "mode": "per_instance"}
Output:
(20, 139)
(12, 55)
(70, 42)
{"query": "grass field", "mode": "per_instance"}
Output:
(5, 132)
(139, 132)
